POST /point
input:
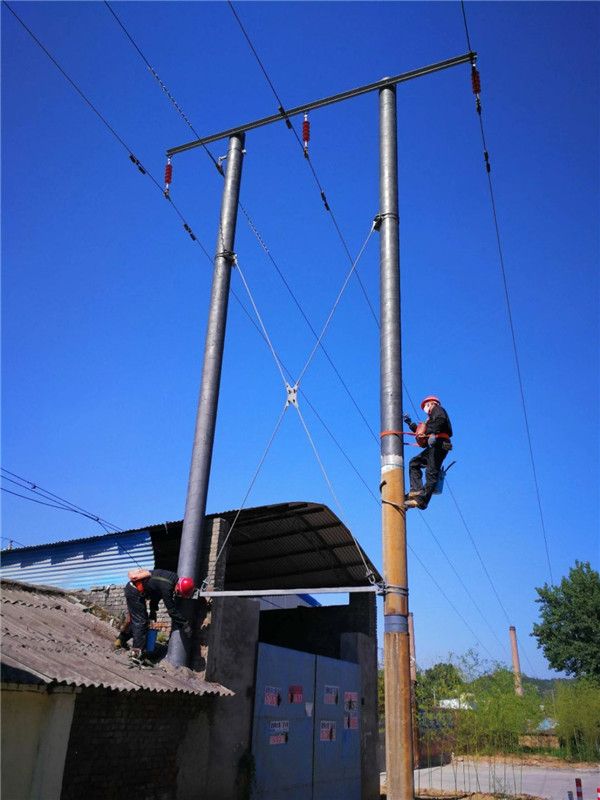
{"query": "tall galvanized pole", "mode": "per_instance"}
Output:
(195, 507)
(398, 733)
(515, 660)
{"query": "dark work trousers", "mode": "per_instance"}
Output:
(138, 622)
(431, 460)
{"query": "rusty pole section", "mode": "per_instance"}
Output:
(398, 717)
(413, 689)
(515, 660)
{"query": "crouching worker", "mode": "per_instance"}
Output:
(157, 585)
(434, 436)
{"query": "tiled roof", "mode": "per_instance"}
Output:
(50, 637)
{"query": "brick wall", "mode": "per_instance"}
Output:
(125, 744)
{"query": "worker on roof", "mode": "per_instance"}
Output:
(434, 436)
(155, 585)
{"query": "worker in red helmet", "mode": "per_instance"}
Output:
(435, 440)
(153, 586)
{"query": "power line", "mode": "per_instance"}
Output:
(51, 499)
(291, 126)
(253, 228)
(142, 169)
(508, 306)
(481, 561)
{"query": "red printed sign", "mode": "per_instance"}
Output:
(279, 730)
(351, 721)
(350, 701)
(296, 694)
(272, 696)
(327, 730)
(330, 695)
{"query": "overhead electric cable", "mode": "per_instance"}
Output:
(55, 505)
(449, 601)
(24, 483)
(460, 580)
(291, 126)
(254, 230)
(481, 561)
(509, 310)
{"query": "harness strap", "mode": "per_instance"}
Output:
(410, 433)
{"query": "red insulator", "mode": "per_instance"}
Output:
(306, 130)
(475, 80)
(168, 173)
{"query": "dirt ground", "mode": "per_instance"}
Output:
(439, 794)
(551, 762)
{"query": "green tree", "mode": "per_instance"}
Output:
(440, 682)
(577, 711)
(497, 716)
(569, 631)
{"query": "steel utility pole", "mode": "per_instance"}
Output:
(195, 507)
(515, 660)
(398, 722)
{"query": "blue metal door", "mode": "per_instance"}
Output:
(337, 730)
(282, 735)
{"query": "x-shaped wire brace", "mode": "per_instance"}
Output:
(292, 395)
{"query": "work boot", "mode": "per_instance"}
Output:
(413, 494)
(411, 503)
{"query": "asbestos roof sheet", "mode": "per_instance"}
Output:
(50, 637)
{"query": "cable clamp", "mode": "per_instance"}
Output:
(389, 588)
(228, 255)
(286, 119)
(378, 219)
(137, 163)
(292, 395)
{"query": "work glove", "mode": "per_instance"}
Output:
(152, 615)
(407, 419)
(431, 440)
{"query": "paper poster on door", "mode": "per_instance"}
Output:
(327, 730)
(351, 721)
(272, 696)
(350, 701)
(296, 694)
(279, 731)
(330, 695)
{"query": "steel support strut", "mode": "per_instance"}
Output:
(398, 723)
(195, 507)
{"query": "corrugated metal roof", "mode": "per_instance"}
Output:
(294, 545)
(280, 546)
(50, 637)
(80, 563)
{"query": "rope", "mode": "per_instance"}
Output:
(368, 572)
(335, 305)
(262, 324)
(252, 482)
(510, 317)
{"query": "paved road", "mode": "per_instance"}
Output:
(509, 778)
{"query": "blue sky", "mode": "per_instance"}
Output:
(104, 296)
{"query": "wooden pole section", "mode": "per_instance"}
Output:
(398, 717)
(413, 690)
(515, 660)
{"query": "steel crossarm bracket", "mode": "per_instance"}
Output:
(326, 101)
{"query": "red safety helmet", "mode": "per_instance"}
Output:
(430, 399)
(185, 587)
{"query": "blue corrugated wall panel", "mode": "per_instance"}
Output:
(79, 565)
